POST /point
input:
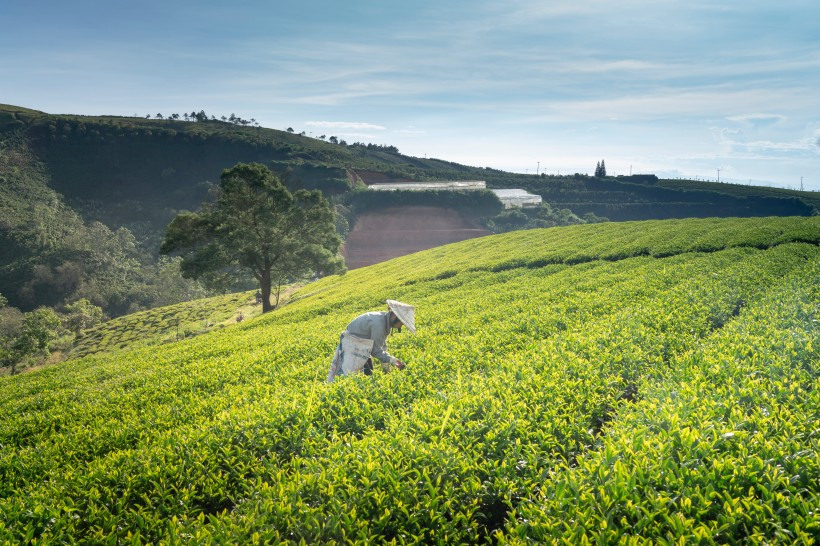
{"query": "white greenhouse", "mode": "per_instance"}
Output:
(509, 197)
(517, 198)
(454, 185)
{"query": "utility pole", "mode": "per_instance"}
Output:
(718, 176)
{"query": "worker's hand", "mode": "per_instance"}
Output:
(400, 365)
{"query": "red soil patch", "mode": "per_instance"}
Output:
(397, 231)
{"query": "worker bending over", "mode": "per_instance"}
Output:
(366, 337)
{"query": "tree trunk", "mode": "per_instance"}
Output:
(278, 291)
(264, 285)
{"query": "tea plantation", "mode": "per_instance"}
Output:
(646, 382)
(167, 324)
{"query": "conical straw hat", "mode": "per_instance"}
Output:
(405, 312)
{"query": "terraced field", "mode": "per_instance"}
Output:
(167, 324)
(635, 382)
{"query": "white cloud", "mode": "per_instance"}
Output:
(345, 125)
(363, 136)
(660, 104)
(530, 11)
(757, 118)
(733, 146)
(410, 132)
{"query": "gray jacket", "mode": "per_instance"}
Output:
(373, 326)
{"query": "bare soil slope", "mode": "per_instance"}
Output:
(397, 231)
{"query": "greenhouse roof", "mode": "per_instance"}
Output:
(422, 186)
(509, 193)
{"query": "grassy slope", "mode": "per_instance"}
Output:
(538, 354)
(169, 324)
(165, 324)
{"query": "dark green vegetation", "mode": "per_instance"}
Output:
(539, 217)
(50, 254)
(740, 190)
(254, 223)
(653, 381)
(623, 199)
(25, 336)
(476, 204)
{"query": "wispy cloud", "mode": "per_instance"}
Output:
(364, 136)
(757, 118)
(808, 144)
(661, 104)
(344, 125)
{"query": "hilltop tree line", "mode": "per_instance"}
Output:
(202, 117)
(361, 145)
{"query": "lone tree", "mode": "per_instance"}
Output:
(255, 223)
(80, 315)
(39, 328)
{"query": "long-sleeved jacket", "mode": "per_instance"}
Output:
(373, 326)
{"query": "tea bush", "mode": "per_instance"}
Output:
(639, 382)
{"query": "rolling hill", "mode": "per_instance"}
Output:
(69, 183)
(138, 172)
(637, 381)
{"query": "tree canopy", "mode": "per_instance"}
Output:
(80, 315)
(32, 336)
(255, 223)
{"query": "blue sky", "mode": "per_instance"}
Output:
(674, 88)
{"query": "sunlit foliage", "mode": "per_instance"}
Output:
(635, 382)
